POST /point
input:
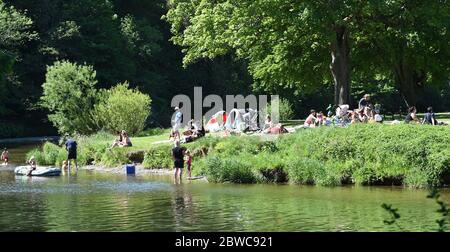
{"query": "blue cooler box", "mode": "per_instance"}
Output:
(130, 169)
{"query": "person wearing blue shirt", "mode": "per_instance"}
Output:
(71, 147)
(430, 117)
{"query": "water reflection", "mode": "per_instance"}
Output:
(87, 201)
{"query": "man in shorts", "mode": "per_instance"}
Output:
(178, 159)
(71, 147)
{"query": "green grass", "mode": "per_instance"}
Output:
(367, 154)
(413, 155)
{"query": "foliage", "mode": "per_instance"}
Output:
(69, 94)
(364, 154)
(285, 110)
(393, 213)
(158, 157)
(228, 170)
(15, 27)
(123, 109)
(444, 210)
(15, 32)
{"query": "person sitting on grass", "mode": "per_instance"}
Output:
(354, 117)
(361, 116)
(430, 117)
(268, 124)
(320, 119)
(376, 118)
(126, 141)
(188, 162)
(412, 115)
(5, 156)
(117, 140)
(33, 165)
(174, 135)
(311, 119)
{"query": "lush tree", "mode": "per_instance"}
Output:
(15, 32)
(123, 108)
(288, 44)
(69, 94)
(406, 42)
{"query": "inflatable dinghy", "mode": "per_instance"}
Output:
(40, 171)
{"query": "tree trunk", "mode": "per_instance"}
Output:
(340, 66)
(409, 82)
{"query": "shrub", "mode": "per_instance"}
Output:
(38, 156)
(228, 170)
(69, 94)
(122, 108)
(285, 109)
(158, 157)
(114, 157)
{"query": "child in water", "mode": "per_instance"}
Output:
(5, 157)
(32, 163)
(64, 166)
(188, 162)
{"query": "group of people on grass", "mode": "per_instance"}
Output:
(365, 113)
(192, 131)
(342, 115)
(429, 117)
(122, 140)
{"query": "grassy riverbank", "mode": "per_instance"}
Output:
(413, 155)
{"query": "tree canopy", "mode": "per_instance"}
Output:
(310, 52)
(299, 43)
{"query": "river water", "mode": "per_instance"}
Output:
(89, 201)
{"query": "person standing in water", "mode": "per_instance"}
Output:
(5, 156)
(71, 147)
(178, 160)
(188, 162)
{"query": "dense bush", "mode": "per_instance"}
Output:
(229, 169)
(285, 110)
(122, 108)
(415, 155)
(69, 94)
(158, 157)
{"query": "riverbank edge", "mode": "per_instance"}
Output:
(139, 170)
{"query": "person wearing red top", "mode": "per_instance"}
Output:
(5, 157)
(188, 162)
